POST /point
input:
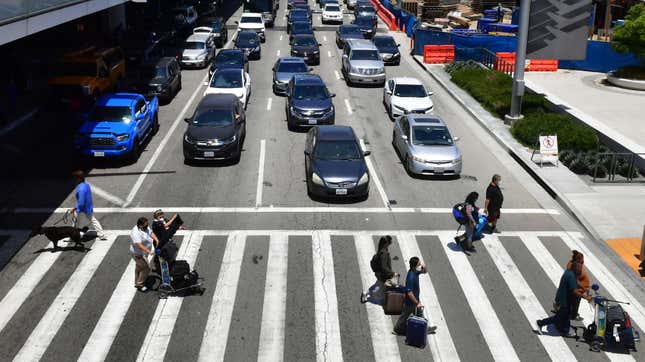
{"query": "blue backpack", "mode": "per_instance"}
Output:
(459, 212)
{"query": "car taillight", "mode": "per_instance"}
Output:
(628, 321)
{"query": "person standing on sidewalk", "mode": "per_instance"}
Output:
(563, 298)
(381, 265)
(583, 284)
(84, 209)
(141, 240)
(412, 302)
(493, 204)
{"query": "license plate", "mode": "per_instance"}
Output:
(99, 154)
(341, 191)
(306, 58)
(438, 171)
(209, 154)
(312, 121)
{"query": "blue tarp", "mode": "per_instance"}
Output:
(600, 58)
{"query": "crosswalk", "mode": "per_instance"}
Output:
(484, 304)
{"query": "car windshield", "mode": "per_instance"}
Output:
(292, 67)
(431, 136)
(301, 27)
(251, 20)
(194, 45)
(304, 41)
(385, 42)
(202, 30)
(410, 90)
(366, 9)
(77, 69)
(299, 15)
(332, 8)
(228, 58)
(227, 80)
(213, 118)
(337, 150)
(350, 30)
(363, 21)
(111, 114)
(310, 92)
(155, 72)
(246, 39)
(365, 55)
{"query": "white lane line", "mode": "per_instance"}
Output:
(374, 177)
(324, 38)
(328, 342)
(218, 324)
(260, 186)
(280, 37)
(337, 74)
(329, 53)
(384, 343)
(277, 53)
(106, 195)
(25, 285)
(554, 272)
(272, 329)
(98, 346)
(525, 298)
(442, 346)
(160, 329)
(491, 328)
(269, 102)
(348, 106)
(162, 144)
(41, 336)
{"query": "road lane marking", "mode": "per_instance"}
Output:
(491, 328)
(527, 300)
(277, 209)
(43, 334)
(106, 195)
(384, 344)
(374, 177)
(337, 74)
(277, 53)
(441, 346)
(269, 101)
(348, 106)
(155, 344)
(271, 347)
(258, 191)
(280, 37)
(217, 328)
(324, 38)
(329, 53)
(328, 341)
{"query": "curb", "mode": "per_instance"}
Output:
(546, 185)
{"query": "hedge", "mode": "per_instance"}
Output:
(571, 135)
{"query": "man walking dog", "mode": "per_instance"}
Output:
(84, 209)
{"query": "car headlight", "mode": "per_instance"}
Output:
(256, 49)
(381, 71)
(316, 52)
(418, 159)
(428, 109)
(317, 180)
(228, 140)
(201, 56)
(159, 88)
(353, 69)
(457, 160)
(364, 179)
(402, 109)
(216, 34)
(188, 139)
(122, 137)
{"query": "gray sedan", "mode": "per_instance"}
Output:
(425, 145)
(284, 69)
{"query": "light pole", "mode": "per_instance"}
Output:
(520, 56)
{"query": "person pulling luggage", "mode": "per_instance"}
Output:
(381, 265)
(412, 301)
(472, 216)
(141, 240)
(583, 284)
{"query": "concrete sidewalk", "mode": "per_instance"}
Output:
(607, 212)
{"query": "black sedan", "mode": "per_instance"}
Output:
(367, 25)
(300, 28)
(335, 164)
(220, 32)
(216, 130)
(348, 31)
(388, 48)
(161, 79)
(229, 58)
(307, 47)
(249, 43)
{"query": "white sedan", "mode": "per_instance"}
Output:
(234, 81)
(404, 95)
(332, 13)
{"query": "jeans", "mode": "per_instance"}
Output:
(83, 219)
(560, 320)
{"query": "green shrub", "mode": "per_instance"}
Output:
(579, 166)
(565, 154)
(623, 169)
(601, 171)
(571, 135)
(457, 66)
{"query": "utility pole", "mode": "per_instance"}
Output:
(520, 56)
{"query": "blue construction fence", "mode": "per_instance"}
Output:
(404, 19)
(468, 45)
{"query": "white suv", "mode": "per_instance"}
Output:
(252, 22)
(332, 13)
(405, 95)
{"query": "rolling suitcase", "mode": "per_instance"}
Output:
(416, 330)
(394, 298)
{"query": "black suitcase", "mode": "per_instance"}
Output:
(180, 268)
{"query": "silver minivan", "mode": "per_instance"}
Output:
(362, 63)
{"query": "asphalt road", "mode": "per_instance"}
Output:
(282, 272)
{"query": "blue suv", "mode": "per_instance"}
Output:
(308, 102)
(118, 125)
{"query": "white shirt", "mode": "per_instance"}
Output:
(138, 236)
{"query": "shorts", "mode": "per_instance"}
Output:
(493, 215)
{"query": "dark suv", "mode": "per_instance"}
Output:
(220, 32)
(308, 102)
(307, 47)
(229, 58)
(367, 25)
(161, 79)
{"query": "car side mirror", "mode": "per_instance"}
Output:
(319, 44)
(456, 139)
(404, 137)
(398, 45)
(307, 153)
(187, 120)
(332, 95)
(344, 55)
(406, 112)
(388, 92)
(367, 153)
(237, 22)
(311, 69)
(430, 93)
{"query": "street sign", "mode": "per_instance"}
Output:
(558, 29)
(548, 145)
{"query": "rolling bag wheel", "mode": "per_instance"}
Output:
(595, 346)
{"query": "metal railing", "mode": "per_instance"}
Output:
(492, 61)
(624, 164)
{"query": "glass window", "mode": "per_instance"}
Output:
(410, 90)
(310, 92)
(213, 118)
(385, 42)
(227, 80)
(251, 20)
(337, 150)
(304, 41)
(431, 136)
(292, 67)
(350, 30)
(111, 114)
(229, 58)
(332, 8)
(194, 45)
(86, 69)
(365, 55)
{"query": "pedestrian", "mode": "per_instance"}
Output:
(165, 229)
(141, 246)
(493, 204)
(84, 209)
(583, 284)
(563, 298)
(411, 303)
(472, 216)
(381, 265)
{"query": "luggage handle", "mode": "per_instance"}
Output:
(417, 310)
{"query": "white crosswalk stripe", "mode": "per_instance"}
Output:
(271, 343)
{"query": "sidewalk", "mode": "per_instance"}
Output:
(607, 212)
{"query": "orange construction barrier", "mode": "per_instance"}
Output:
(505, 61)
(385, 15)
(542, 65)
(433, 54)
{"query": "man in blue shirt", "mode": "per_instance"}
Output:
(412, 301)
(84, 207)
(563, 298)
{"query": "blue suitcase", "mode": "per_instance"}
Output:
(416, 333)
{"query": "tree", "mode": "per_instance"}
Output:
(630, 36)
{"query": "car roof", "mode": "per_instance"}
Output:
(425, 119)
(406, 80)
(198, 37)
(383, 37)
(363, 44)
(308, 79)
(229, 51)
(335, 133)
(251, 14)
(221, 100)
(301, 36)
(291, 60)
(118, 99)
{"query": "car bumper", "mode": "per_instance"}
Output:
(398, 113)
(325, 191)
(429, 168)
(164, 94)
(367, 79)
(205, 153)
(392, 60)
(280, 88)
(253, 54)
(194, 63)
(309, 58)
(332, 19)
(299, 120)
(113, 152)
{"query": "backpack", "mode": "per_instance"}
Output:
(375, 263)
(459, 212)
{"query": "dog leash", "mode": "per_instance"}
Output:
(65, 218)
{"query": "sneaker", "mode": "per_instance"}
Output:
(142, 289)
(570, 333)
(432, 329)
(496, 231)
(539, 327)
(394, 333)
(363, 298)
(102, 237)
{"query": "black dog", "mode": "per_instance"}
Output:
(56, 233)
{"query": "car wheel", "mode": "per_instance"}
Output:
(406, 164)
(394, 141)
(135, 152)
(238, 153)
(390, 113)
(155, 124)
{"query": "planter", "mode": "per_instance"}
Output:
(626, 83)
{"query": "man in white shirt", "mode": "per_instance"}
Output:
(141, 245)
